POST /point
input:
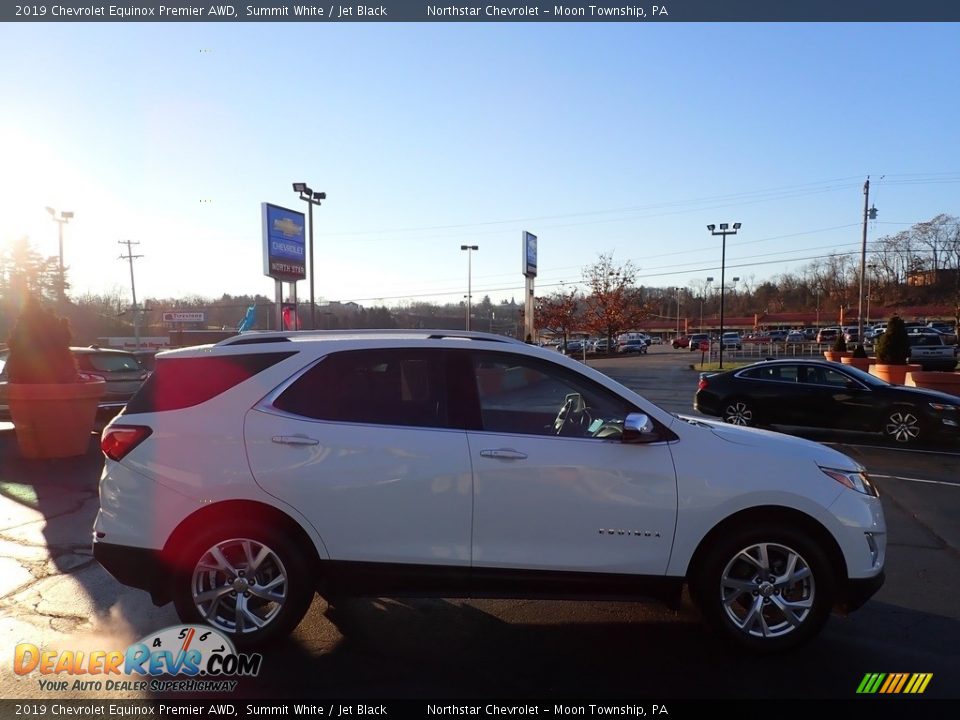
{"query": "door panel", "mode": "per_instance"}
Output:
(572, 504)
(554, 487)
(374, 493)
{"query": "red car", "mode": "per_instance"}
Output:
(681, 341)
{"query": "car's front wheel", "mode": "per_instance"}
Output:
(903, 425)
(251, 584)
(766, 588)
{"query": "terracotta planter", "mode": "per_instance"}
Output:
(834, 356)
(858, 363)
(54, 421)
(893, 374)
(946, 382)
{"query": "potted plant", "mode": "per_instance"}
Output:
(839, 349)
(893, 349)
(53, 407)
(859, 359)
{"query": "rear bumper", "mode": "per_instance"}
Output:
(140, 568)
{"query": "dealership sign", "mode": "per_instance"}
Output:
(529, 255)
(284, 243)
(184, 317)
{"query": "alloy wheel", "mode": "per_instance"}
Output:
(767, 590)
(738, 413)
(239, 585)
(903, 426)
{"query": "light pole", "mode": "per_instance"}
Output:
(724, 231)
(61, 218)
(870, 269)
(706, 292)
(678, 310)
(311, 198)
(469, 249)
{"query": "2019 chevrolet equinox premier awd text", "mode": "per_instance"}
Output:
(246, 476)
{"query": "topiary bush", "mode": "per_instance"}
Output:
(840, 345)
(859, 352)
(40, 348)
(893, 347)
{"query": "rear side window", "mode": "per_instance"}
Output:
(178, 383)
(783, 373)
(107, 362)
(382, 387)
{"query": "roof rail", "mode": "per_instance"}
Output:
(256, 337)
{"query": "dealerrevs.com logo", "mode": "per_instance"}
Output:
(202, 655)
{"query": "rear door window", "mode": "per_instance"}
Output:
(380, 387)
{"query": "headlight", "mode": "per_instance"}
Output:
(854, 480)
(943, 408)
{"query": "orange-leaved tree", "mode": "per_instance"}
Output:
(557, 313)
(613, 304)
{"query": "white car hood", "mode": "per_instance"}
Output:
(784, 446)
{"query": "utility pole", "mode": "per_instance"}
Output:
(133, 287)
(871, 214)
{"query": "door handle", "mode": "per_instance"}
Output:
(504, 454)
(295, 440)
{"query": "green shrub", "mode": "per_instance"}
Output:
(840, 345)
(893, 347)
(859, 352)
(40, 347)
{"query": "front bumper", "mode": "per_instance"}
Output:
(858, 591)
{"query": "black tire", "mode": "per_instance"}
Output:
(739, 411)
(903, 426)
(761, 610)
(279, 604)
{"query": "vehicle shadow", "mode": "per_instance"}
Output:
(553, 650)
(48, 511)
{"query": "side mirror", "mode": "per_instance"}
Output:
(639, 428)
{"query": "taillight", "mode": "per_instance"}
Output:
(119, 440)
(702, 385)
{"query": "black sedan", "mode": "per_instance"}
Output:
(816, 393)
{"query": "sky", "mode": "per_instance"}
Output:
(599, 138)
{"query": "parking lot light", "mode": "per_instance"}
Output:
(724, 231)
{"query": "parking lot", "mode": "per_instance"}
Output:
(54, 593)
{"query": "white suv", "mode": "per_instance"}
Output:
(245, 476)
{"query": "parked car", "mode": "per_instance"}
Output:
(574, 346)
(796, 337)
(851, 335)
(929, 350)
(681, 341)
(633, 346)
(732, 341)
(696, 339)
(810, 333)
(119, 368)
(244, 477)
(656, 340)
(816, 393)
(777, 336)
(827, 335)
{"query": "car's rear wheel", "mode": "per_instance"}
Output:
(903, 426)
(766, 588)
(249, 583)
(739, 412)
